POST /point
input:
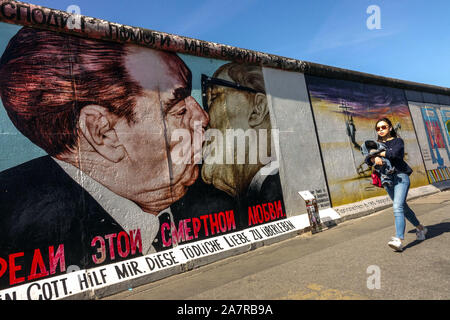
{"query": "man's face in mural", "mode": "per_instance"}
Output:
(231, 108)
(166, 105)
(144, 171)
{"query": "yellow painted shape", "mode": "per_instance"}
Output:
(316, 291)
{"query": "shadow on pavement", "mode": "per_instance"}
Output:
(433, 231)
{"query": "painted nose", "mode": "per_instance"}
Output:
(197, 113)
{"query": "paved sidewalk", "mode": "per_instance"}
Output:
(339, 263)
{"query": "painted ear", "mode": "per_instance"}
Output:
(96, 125)
(259, 111)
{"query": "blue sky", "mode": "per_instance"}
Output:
(413, 43)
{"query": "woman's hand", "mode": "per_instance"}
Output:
(378, 161)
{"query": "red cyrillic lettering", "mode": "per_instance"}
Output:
(110, 238)
(13, 268)
(214, 223)
(231, 224)
(54, 259)
(101, 250)
(136, 240)
(197, 225)
(223, 227)
(122, 253)
(3, 267)
(37, 261)
(251, 216)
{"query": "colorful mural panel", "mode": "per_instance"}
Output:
(431, 123)
(345, 114)
(445, 114)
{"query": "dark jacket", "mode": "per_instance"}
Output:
(395, 152)
(42, 206)
(372, 149)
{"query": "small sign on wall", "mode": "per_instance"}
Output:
(312, 209)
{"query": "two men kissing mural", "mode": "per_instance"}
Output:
(109, 188)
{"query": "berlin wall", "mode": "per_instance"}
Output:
(129, 153)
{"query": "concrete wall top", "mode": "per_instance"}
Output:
(25, 14)
(430, 98)
(412, 95)
(442, 99)
(425, 97)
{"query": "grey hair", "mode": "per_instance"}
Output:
(243, 74)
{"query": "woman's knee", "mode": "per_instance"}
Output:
(399, 208)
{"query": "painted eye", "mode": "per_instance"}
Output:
(212, 97)
(181, 112)
(179, 109)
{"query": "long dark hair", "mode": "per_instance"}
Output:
(392, 132)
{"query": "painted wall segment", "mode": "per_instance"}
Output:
(432, 123)
(133, 163)
(301, 167)
(32, 15)
(144, 269)
(345, 114)
(17, 12)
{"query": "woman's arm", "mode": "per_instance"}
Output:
(370, 161)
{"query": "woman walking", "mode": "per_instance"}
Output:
(399, 190)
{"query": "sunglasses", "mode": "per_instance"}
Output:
(381, 128)
(207, 82)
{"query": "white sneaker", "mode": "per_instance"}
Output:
(395, 244)
(420, 234)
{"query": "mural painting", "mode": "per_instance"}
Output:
(345, 114)
(114, 151)
(445, 114)
(121, 152)
(431, 122)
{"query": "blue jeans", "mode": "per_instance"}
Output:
(398, 192)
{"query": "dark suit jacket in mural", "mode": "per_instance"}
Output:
(202, 198)
(42, 206)
(270, 191)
